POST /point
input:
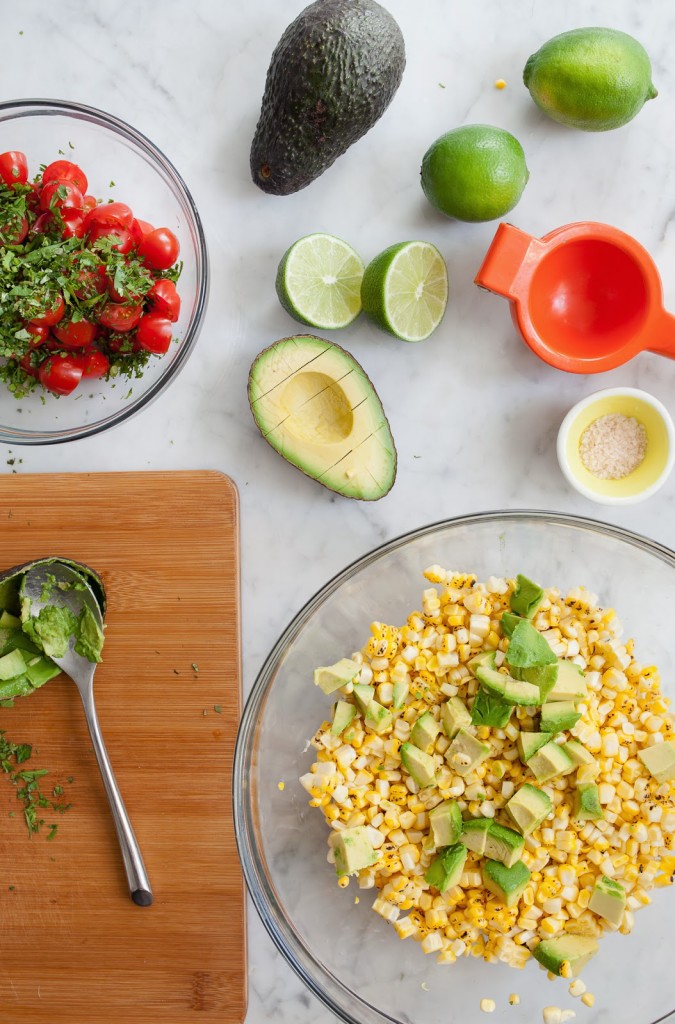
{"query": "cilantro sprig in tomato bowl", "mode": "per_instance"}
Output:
(87, 289)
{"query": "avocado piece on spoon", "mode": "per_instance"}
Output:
(314, 404)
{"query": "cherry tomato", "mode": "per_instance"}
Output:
(61, 195)
(139, 229)
(27, 365)
(165, 300)
(64, 170)
(73, 224)
(13, 231)
(154, 333)
(91, 281)
(13, 168)
(118, 214)
(122, 344)
(90, 203)
(122, 240)
(54, 307)
(40, 334)
(61, 374)
(159, 249)
(75, 335)
(94, 363)
(119, 317)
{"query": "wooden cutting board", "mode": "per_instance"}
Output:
(74, 949)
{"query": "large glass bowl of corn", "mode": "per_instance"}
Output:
(297, 782)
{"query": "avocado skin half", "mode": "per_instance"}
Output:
(332, 75)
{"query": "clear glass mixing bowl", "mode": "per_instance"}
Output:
(347, 955)
(108, 150)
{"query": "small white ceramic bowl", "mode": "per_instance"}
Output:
(652, 472)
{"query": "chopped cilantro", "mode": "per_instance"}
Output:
(27, 783)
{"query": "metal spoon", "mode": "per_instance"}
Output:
(57, 584)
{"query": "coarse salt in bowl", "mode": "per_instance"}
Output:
(649, 474)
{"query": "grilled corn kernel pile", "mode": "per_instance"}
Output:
(363, 782)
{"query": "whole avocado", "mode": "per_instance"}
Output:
(332, 75)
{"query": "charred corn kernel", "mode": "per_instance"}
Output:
(565, 969)
(514, 999)
(343, 882)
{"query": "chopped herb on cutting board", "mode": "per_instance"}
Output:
(27, 782)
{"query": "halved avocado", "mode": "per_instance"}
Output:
(314, 404)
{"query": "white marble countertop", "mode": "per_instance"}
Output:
(473, 412)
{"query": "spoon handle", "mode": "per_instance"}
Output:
(139, 884)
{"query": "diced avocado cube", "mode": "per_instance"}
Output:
(527, 597)
(9, 621)
(363, 694)
(454, 716)
(400, 695)
(466, 752)
(331, 677)
(577, 751)
(19, 686)
(41, 670)
(587, 805)
(558, 716)
(16, 639)
(474, 834)
(424, 732)
(343, 715)
(608, 900)
(570, 684)
(11, 665)
(521, 693)
(549, 762)
(353, 851)
(528, 807)
(377, 717)
(9, 595)
(576, 950)
(509, 621)
(543, 676)
(490, 709)
(491, 679)
(503, 844)
(529, 743)
(485, 659)
(528, 648)
(418, 764)
(659, 760)
(445, 821)
(446, 868)
(507, 884)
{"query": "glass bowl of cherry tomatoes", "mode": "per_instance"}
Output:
(103, 271)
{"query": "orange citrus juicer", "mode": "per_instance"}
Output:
(586, 297)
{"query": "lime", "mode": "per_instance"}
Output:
(405, 290)
(591, 78)
(474, 173)
(319, 281)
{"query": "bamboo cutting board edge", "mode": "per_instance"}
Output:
(211, 498)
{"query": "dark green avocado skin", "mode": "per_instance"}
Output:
(332, 75)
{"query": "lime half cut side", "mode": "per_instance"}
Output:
(405, 290)
(319, 281)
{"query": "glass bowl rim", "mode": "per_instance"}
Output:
(37, 105)
(283, 936)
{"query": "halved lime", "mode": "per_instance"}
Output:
(319, 281)
(405, 290)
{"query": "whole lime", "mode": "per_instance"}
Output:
(595, 79)
(474, 173)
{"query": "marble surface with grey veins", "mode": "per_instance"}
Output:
(473, 412)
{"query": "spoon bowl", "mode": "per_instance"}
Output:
(59, 585)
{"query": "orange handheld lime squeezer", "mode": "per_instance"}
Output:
(586, 297)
